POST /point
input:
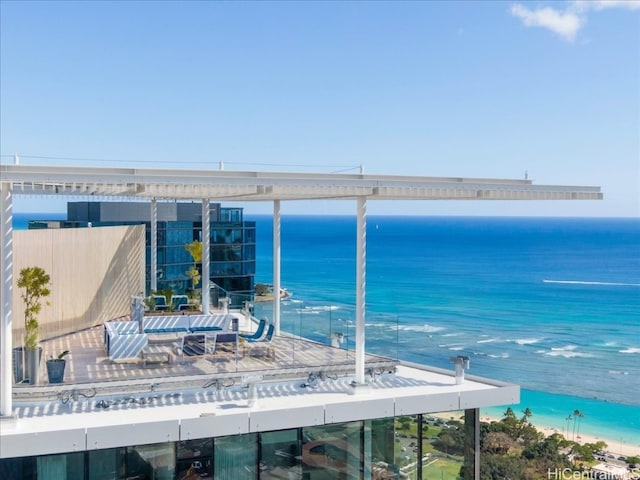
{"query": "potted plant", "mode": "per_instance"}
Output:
(35, 282)
(55, 367)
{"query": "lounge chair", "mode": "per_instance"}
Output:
(179, 302)
(266, 338)
(160, 302)
(192, 345)
(263, 344)
(258, 333)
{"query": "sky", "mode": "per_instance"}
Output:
(464, 89)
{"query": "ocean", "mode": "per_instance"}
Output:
(551, 304)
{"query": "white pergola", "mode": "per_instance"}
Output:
(238, 186)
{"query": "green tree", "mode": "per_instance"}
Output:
(494, 466)
(577, 414)
(195, 250)
(35, 282)
(580, 417)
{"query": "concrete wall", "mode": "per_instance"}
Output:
(94, 272)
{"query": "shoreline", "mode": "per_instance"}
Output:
(614, 447)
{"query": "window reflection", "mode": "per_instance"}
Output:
(235, 457)
(332, 451)
(194, 459)
(280, 455)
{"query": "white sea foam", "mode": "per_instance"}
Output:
(618, 372)
(630, 350)
(453, 334)
(318, 310)
(421, 328)
(565, 348)
(580, 282)
(488, 340)
(457, 348)
(528, 341)
(568, 351)
(498, 355)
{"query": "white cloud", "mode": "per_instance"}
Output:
(566, 24)
(597, 5)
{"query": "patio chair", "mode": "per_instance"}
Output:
(192, 345)
(263, 344)
(210, 342)
(179, 302)
(258, 333)
(160, 302)
(266, 339)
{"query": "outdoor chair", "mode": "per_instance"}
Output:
(262, 345)
(179, 302)
(210, 342)
(160, 302)
(258, 333)
(192, 345)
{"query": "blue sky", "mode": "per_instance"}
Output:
(476, 89)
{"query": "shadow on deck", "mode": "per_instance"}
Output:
(162, 368)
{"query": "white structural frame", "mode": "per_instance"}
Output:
(204, 185)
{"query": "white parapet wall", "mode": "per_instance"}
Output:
(94, 272)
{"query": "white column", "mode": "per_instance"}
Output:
(276, 266)
(205, 280)
(154, 245)
(361, 281)
(6, 265)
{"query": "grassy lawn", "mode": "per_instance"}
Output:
(442, 469)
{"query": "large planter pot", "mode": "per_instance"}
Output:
(32, 365)
(55, 370)
(18, 365)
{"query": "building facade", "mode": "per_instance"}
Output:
(232, 241)
(408, 447)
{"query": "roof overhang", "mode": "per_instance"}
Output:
(179, 184)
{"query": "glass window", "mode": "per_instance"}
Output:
(61, 467)
(106, 464)
(22, 468)
(445, 446)
(157, 462)
(387, 454)
(235, 457)
(280, 455)
(195, 457)
(332, 451)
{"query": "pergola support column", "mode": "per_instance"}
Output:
(154, 246)
(206, 248)
(361, 281)
(6, 264)
(276, 266)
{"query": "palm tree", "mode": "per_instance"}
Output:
(568, 419)
(580, 417)
(576, 414)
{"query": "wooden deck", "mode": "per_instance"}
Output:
(88, 365)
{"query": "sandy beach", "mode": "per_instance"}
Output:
(613, 447)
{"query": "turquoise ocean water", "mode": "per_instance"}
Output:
(550, 304)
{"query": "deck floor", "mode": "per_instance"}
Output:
(88, 362)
